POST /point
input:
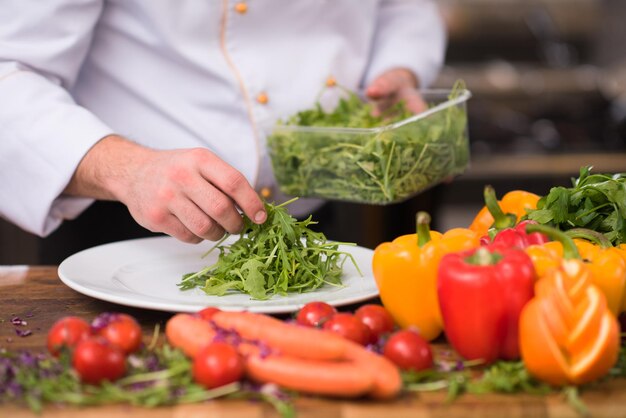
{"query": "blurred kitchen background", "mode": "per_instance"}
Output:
(548, 79)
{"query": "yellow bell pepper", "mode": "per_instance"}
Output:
(405, 271)
(622, 252)
(545, 257)
(608, 269)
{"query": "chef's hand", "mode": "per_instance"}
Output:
(395, 85)
(189, 194)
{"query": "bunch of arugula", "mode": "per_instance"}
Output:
(380, 166)
(280, 256)
(595, 201)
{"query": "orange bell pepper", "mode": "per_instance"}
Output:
(405, 271)
(607, 264)
(567, 333)
(622, 252)
(512, 207)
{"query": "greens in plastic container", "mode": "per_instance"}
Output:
(348, 154)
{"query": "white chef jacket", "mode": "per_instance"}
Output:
(180, 73)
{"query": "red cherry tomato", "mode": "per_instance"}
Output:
(95, 360)
(377, 319)
(314, 314)
(217, 364)
(349, 327)
(409, 351)
(122, 331)
(67, 332)
(207, 313)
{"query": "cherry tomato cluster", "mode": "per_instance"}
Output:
(98, 350)
(371, 324)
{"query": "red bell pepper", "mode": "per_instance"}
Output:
(504, 230)
(516, 237)
(481, 294)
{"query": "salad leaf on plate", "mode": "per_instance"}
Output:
(281, 256)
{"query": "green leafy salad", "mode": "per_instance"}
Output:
(349, 154)
(282, 255)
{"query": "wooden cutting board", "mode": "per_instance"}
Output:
(38, 296)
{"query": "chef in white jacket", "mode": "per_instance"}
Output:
(163, 104)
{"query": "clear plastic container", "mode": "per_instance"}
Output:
(382, 165)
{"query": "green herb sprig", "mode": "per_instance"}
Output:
(371, 166)
(159, 377)
(280, 256)
(507, 377)
(595, 201)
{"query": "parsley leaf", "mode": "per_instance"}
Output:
(595, 201)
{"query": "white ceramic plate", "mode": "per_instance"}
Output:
(144, 272)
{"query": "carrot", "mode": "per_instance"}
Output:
(189, 333)
(313, 344)
(341, 379)
(287, 339)
(387, 380)
(303, 359)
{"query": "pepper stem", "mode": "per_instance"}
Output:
(596, 237)
(501, 220)
(570, 251)
(483, 257)
(422, 225)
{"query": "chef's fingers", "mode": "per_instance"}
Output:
(390, 82)
(411, 97)
(232, 183)
(216, 205)
(382, 105)
(382, 87)
(413, 100)
(196, 221)
(172, 226)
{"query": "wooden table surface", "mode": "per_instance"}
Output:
(37, 295)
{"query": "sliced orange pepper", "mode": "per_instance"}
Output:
(514, 202)
(607, 267)
(405, 271)
(567, 333)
